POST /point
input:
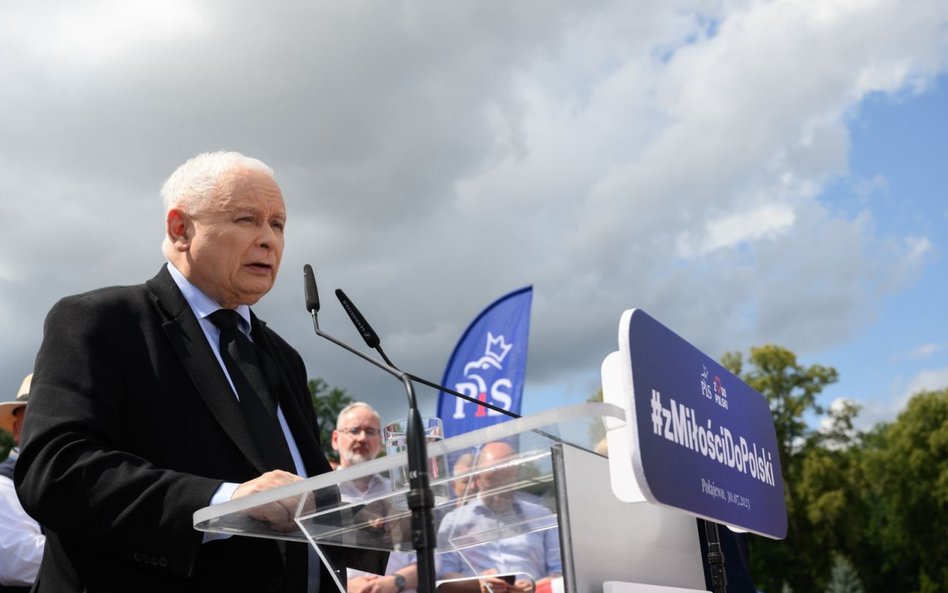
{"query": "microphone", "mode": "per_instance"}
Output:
(368, 334)
(311, 294)
(309, 290)
(420, 498)
(373, 341)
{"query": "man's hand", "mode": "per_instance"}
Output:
(279, 514)
(372, 583)
(491, 584)
(362, 584)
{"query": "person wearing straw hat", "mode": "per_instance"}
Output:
(21, 538)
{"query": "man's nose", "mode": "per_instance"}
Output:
(267, 236)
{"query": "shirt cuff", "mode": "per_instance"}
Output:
(224, 492)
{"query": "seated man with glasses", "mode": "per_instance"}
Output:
(358, 439)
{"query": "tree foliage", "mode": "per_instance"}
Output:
(864, 508)
(6, 443)
(597, 430)
(791, 390)
(906, 486)
(327, 402)
(844, 578)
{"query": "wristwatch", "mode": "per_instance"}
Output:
(399, 582)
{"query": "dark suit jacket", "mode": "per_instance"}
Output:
(132, 427)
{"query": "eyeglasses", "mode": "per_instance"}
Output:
(355, 430)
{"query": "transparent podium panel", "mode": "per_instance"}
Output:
(495, 500)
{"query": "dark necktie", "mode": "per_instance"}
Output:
(256, 388)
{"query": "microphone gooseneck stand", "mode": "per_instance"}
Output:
(715, 557)
(420, 498)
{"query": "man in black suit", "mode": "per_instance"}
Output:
(138, 417)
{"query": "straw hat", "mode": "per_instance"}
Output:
(7, 408)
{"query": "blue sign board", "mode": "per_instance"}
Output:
(700, 439)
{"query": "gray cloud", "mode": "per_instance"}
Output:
(435, 157)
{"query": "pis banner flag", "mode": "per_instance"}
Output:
(489, 364)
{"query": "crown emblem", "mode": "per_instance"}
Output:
(497, 348)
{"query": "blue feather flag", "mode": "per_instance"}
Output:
(489, 363)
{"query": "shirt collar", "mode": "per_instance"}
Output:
(375, 485)
(200, 303)
(479, 508)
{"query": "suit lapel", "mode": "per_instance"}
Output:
(304, 432)
(190, 344)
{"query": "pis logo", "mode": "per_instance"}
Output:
(712, 388)
(479, 372)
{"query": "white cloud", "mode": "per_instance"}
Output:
(918, 249)
(927, 380)
(924, 350)
(902, 390)
(96, 33)
(435, 157)
(873, 412)
(765, 221)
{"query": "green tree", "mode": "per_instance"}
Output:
(6, 443)
(880, 497)
(844, 578)
(906, 484)
(828, 470)
(791, 390)
(597, 429)
(802, 560)
(327, 402)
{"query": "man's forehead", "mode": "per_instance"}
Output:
(362, 416)
(245, 187)
(241, 201)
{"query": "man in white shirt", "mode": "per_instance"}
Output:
(21, 538)
(357, 439)
(535, 553)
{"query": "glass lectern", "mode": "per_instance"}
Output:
(524, 493)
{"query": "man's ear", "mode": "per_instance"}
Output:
(334, 439)
(178, 229)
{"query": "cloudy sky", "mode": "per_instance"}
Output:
(748, 172)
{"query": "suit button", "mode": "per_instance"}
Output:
(276, 585)
(137, 557)
(162, 562)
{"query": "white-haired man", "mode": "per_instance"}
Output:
(150, 402)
